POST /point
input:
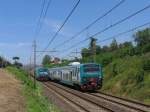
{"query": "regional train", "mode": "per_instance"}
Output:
(42, 74)
(84, 76)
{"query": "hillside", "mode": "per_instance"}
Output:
(129, 77)
(126, 65)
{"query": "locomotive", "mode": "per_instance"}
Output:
(87, 76)
(42, 74)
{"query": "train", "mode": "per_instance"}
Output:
(41, 74)
(87, 76)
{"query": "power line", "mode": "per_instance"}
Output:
(130, 30)
(118, 22)
(39, 26)
(42, 17)
(39, 20)
(92, 23)
(52, 39)
(127, 31)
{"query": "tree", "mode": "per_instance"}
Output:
(46, 60)
(142, 37)
(93, 48)
(85, 52)
(16, 63)
(98, 49)
(105, 48)
(113, 45)
(16, 58)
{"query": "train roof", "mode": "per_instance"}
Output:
(72, 66)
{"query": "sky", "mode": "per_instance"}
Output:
(19, 18)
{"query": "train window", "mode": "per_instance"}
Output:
(74, 73)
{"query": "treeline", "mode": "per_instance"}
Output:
(4, 63)
(108, 53)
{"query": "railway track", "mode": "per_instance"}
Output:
(103, 101)
(82, 104)
(122, 101)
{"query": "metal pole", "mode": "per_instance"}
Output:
(94, 52)
(34, 50)
(30, 68)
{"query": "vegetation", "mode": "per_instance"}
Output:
(35, 101)
(46, 60)
(129, 77)
(4, 62)
(126, 66)
(16, 63)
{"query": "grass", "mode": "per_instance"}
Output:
(128, 77)
(34, 99)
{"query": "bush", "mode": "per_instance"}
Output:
(146, 48)
(146, 65)
(127, 77)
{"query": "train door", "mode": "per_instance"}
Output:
(70, 75)
(61, 75)
(78, 73)
(75, 75)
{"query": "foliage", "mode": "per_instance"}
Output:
(4, 62)
(35, 101)
(142, 37)
(113, 45)
(128, 77)
(85, 52)
(126, 66)
(16, 58)
(46, 60)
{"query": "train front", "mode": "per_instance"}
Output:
(91, 76)
(42, 74)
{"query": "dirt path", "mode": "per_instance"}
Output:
(11, 99)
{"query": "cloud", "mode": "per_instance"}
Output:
(54, 26)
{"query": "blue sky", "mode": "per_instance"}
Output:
(18, 19)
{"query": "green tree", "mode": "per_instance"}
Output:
(16, 63)
(113, 45)
(16, 58)
(85, 52)
(142, 37)
(46, 60)
(105, 49)
(98, 49)
(93, 49)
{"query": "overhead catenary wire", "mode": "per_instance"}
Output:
(42, 17)
(39, 20)
(107, 28)
(122, 33)
(92, 23)
(55, 35)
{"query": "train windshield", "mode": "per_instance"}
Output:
(43, 71)
(91, 68)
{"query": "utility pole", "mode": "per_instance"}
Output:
(76, 55)
(34, 51)
(30, 68)
(93, 49)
